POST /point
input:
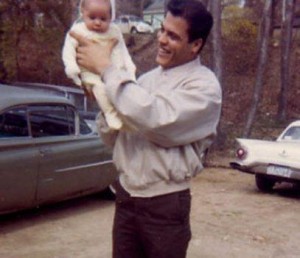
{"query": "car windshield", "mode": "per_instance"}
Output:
(292, 133)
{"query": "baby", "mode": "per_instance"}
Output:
(95, 23)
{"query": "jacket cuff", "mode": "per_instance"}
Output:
(114, 79)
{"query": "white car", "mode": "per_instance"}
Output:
(133, 24)
(271, 161)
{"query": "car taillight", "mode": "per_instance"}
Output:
(241, 153)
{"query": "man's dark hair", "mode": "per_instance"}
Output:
(199, 20)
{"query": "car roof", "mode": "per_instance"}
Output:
(13, 95)
(51, 88)
(295, 123)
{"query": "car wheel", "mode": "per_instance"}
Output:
(134, 30)
(264, 183)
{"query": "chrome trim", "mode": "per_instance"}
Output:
(84, 166)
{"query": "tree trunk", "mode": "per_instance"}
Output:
(263, 54)
(113, 9)
(286, 40)
(215, 7)
(141, 7)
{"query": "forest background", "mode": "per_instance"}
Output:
(32, 33)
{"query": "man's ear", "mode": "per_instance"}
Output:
(197, 44)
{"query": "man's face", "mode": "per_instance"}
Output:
(173, 43)
(96, 15)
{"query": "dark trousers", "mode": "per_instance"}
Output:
(157, 227)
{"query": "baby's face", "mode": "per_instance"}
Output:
(96, 15)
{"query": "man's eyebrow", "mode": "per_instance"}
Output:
(174, 34)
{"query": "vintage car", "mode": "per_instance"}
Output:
(48, 153)
(271, 161)
(133, 24)
(88, 109)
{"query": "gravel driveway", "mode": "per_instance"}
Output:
(230, 218)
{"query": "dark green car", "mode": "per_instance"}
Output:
(47, 151)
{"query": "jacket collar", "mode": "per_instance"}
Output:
(184, 68)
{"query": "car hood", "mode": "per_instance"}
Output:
(268, 152)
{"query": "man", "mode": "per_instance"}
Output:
(173, 112)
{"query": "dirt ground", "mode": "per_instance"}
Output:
(230, 218)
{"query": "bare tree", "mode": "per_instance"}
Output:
(263, 53)
(286, 40)
(216, 9)
(11, 33)
(58, 12)
(134, 7)
(227, 2)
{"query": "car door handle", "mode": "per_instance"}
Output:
(45, 151)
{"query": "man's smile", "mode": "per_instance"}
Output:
(163, 52)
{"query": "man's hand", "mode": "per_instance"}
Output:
(93, 56)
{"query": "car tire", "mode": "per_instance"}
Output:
(264, 184)
(134, 30)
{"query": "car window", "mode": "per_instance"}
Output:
(83, 127)
(13, 123)
(292, 133)
(51, 120)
